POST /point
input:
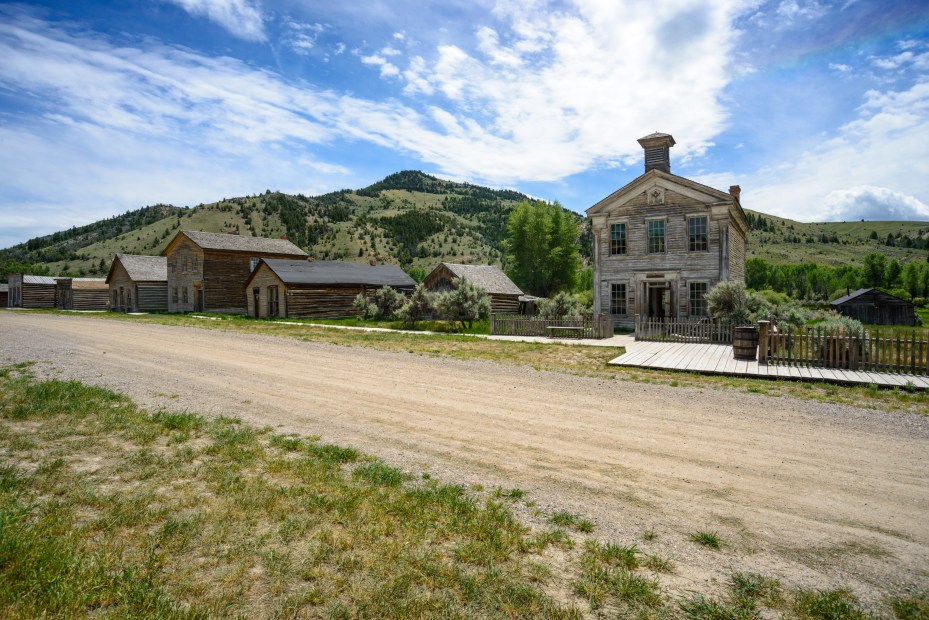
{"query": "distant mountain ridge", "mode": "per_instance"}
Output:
(416, 220)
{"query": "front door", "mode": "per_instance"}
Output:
(198, 298)
(256, 295)
(659, 301)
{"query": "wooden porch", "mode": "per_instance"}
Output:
(717, 359)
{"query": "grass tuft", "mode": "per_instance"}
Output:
(707, 539)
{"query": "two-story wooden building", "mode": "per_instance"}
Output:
(661, 242)
(207, 272)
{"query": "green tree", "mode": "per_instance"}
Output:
(874, 266)
(466, 303)
(542, 249)
(892, 274)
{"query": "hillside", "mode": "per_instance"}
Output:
(411, 219)
(782, 241)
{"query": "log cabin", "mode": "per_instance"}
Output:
(662, 241)
(317, 289)
(874, 307)
(504, 294)
(138, 283)
(27, 291)
(82, 294)
(207, 272)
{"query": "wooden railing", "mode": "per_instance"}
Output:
(522, 325)
(891, 349)
(680, 330)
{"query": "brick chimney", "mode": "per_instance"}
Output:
(734, 191)
(657, 151)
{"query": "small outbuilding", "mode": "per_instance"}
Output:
(28, 291)
(82, 294)
(138, 283)
(875, 307)
(317, 289)
(504, 294)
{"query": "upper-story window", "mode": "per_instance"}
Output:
(697, 235)
(655, 236)
(617, 239)
(252, 263)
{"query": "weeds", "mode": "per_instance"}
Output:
(707, 539)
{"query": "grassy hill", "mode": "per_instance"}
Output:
(409, 218)
(782, 241)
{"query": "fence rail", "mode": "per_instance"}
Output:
(670, 330)
(876, 349)
(522, 325)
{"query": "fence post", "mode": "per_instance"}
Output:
(493, 317)
(638, 325)
(763, 341)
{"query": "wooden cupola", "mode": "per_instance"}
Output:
(657, 151)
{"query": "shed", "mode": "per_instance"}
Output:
(875, 307)
(504, 295)
(318, 289)
(207, 272)
(138, 283)
(4, 295)
(82, 294)
(27, 291)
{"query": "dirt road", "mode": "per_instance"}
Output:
(817, 495)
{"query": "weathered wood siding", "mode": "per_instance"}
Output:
(4, 297)
(120, 282)
(324, 302)
(185, 272)
(504, 304)
(441, 278)
(737, 243)
(262, 280)
(877, 308)
(30, 295)
(151, 296)
(145, 296)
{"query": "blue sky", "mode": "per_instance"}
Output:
(818, 109)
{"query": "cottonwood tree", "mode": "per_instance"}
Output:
(542, 249)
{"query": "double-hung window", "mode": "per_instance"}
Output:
(697, 298)
(617, 239)
(698, 241)
(273, 303)
(617, 298)
(655, 236)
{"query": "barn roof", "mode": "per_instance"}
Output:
(488, 277)
(864, 291)
(337, 272)
(242, 243)
(142, 268)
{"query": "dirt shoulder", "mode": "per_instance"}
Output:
(817, 495)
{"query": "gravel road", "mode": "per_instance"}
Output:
(817, 495)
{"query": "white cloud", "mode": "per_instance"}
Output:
(387, 69)
(850, 173)
(300, 37)
(839, 67)
(242, 18)
(795, 10)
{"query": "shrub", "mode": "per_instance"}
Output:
(466, 303)
(728, 302)
(419, 305)
(562, 305)
(364, 308)
(388, 301)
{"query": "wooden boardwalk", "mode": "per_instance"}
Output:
(717, 359)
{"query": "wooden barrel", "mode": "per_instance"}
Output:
(745, 342)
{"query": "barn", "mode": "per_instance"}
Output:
(82, 294)
(504, 295)
(207, 272)
(138, 283)
(27, 291)
(875, 307)
(317, 289)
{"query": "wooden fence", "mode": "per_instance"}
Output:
(876, 349)
(522, 325)
(675, 330)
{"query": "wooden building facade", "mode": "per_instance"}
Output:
(207, 272)
(27, 291)
(317, 289)
(661, 242)
(4, 295)
(874, 307)
(138, 283)
(504, 294)
(82, 294)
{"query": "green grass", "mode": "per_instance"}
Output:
(707, 539)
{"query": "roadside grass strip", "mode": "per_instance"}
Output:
(110, 511)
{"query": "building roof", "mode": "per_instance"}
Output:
(488, 277)
(88, 283)
(334, 272)
(142, 268)
(4, 288)
(240, 243)
(864, 291)
(28, 279)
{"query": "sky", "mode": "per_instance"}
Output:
(819, 110)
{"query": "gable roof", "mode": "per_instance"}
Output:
(88, 283)
(28, 279)
(141, 268)
(864, 291)
(488, 277)
(334, 272)
(237, 243)
(709, 194)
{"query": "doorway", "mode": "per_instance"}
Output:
(256, 295)
(659, 301)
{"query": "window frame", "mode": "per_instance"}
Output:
(614, 298)
(664, 235)
(185, 295)
(174, 295)
(702, 304)
(692, 238)
(253, 263)
(623, 250)
(274, 306)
